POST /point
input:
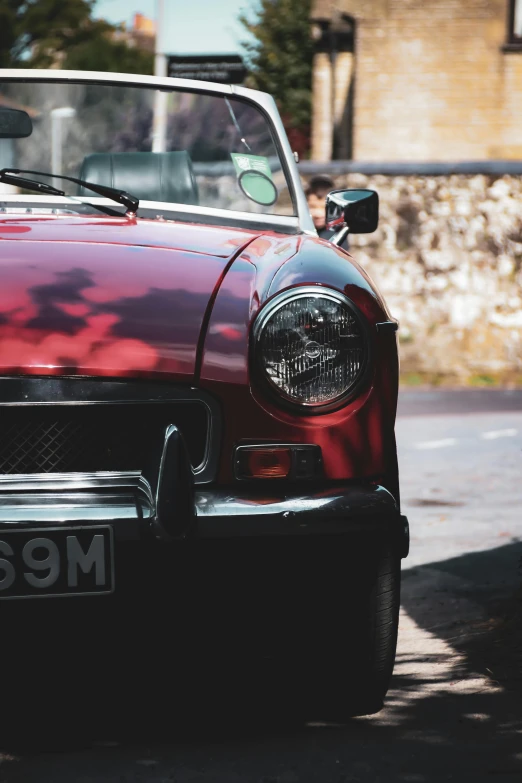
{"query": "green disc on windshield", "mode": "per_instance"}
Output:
(255, 178)
(258, 187)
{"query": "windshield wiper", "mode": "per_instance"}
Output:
(10, 176)
(30, 184)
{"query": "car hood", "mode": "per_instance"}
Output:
(108, 296)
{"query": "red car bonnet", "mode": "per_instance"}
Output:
(106, 296)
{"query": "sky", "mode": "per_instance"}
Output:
(191, 26)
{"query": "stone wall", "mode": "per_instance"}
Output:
(448, 259)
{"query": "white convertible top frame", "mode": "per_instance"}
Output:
(264, 101)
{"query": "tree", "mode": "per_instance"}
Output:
(40, 33)
(105, 54)
(280, 53)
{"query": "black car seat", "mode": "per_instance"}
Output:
(151, 176)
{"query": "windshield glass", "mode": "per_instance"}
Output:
(174, 147)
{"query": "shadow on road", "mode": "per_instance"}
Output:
(454, 712)
(458, 687)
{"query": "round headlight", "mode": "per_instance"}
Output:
(311, 347)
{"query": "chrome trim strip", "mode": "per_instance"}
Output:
(364, 499)
(27, 509)
(263, 219)
(26, 499)
(350, 508)
(66, 482)
(264, 101)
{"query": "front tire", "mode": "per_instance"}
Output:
(339, 618)
(355, 676)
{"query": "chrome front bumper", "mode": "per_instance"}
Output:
(169, 499)
(127, 502)
(121, 499)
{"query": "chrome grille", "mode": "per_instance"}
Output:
(106, 437)
(40, 446)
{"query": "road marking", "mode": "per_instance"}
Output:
(437, 444)
(494, 434)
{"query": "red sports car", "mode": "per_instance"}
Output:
(197, 394)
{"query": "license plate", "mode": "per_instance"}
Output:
(54, 562)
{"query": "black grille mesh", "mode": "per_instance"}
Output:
(62, 439)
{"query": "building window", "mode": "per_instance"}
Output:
(515, 23)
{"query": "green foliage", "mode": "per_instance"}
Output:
(107, 55)
(44, 33)
(280, 53)
(482, 380)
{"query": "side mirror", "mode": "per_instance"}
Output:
(14, 124)
(354, 210)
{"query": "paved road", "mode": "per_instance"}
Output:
(448, 716)
(460, 471)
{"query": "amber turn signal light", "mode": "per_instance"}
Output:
(266, 463)
(277, 461)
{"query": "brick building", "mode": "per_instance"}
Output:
(412, 80)
(142, 33)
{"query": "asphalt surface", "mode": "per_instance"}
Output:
(451, 713)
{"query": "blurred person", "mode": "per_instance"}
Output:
(319, 187)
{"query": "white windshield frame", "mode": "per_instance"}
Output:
(302, 222)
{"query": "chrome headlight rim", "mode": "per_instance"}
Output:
(278, 395)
